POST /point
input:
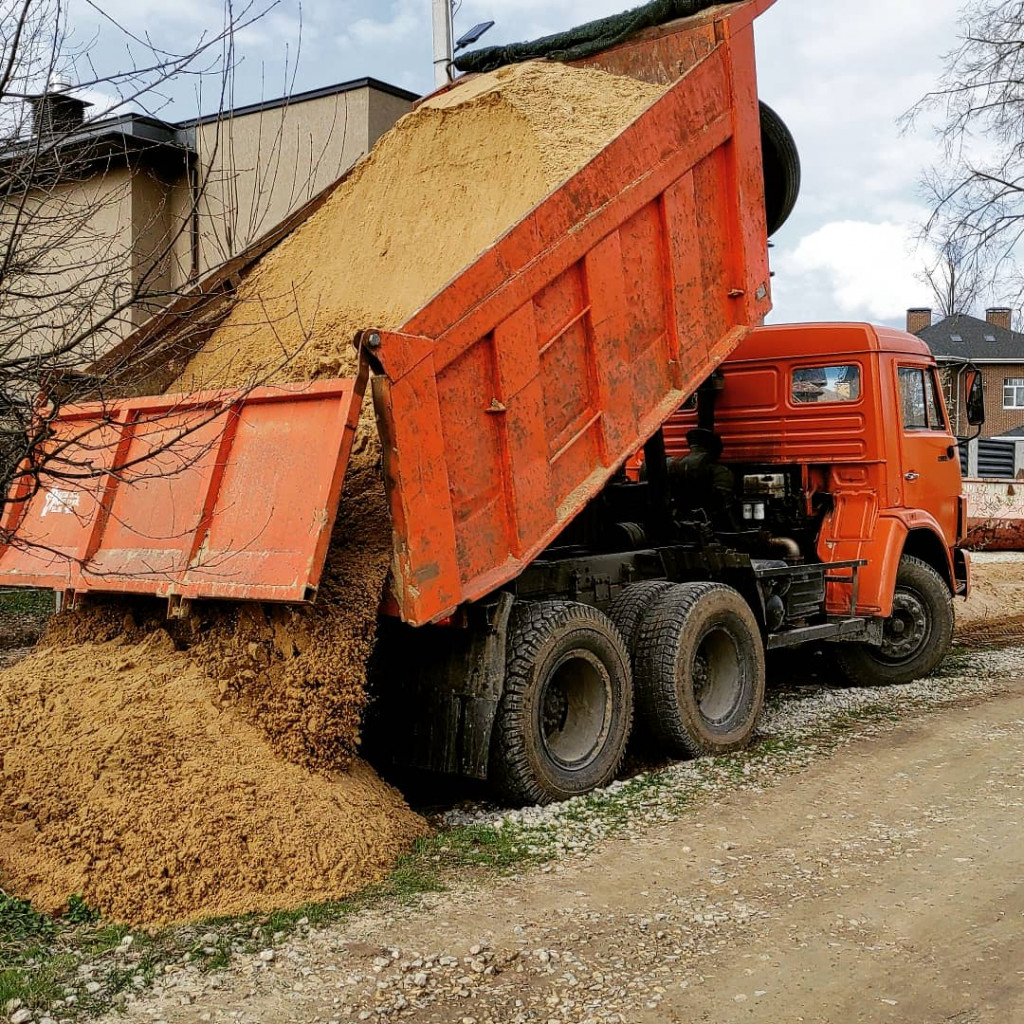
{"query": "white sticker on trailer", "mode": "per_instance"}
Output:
(61, 501)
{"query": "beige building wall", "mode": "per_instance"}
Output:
(153, 224)
(77, 242)
(257, 168)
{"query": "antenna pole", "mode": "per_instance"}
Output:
(444, 43)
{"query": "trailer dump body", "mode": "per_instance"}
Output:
(513, 397)
(227, 495)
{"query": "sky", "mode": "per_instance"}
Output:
(839, 73)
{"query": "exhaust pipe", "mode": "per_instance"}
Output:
(444, 43)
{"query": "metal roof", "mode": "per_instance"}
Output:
(109, 138)
(303, 97)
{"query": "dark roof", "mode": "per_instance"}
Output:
(114, 138)
(978, 341)
(304, 97)
(105, 141)
(1015, 432)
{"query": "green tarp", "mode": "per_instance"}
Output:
(585, 40)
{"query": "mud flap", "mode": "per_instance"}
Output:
(435, 692)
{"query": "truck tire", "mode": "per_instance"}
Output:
(781, 169)
(567, 710)
(700, 670)
(916, 637)
(627, 610)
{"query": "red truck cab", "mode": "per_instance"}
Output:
(854, 418)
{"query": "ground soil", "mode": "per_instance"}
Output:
(994, 613)
(885, 883)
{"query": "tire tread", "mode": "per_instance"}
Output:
(533, 624)
(657, 651)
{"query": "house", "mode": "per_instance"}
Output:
(995, 348)
(120, 214)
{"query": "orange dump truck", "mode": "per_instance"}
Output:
(541, 590)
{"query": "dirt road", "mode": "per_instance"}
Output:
(885, 883)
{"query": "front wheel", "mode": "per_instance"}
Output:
(915, 638)
(567, 710)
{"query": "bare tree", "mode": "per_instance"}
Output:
(71, 286)
(957, 277)
(977, 194)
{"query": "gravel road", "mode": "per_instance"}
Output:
(882, 883)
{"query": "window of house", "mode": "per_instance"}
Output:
(919, 400)
(826, 384)
(956, 337)
(1013, 393)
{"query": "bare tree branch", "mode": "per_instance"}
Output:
(977, 194)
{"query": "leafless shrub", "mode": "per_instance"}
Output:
(71, 288)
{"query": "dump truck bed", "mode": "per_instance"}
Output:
(513, 397)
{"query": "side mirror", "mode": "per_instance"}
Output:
(974, 386)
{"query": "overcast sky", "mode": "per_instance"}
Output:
(840, 73)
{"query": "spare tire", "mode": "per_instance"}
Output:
(781, 169)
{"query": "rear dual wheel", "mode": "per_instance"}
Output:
(699, 670)
(567, 711)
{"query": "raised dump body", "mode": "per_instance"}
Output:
(511, 399)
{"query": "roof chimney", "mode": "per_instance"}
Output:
(56, 111)
(918, 320)
(1000, 317)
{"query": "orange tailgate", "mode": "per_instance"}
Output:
(227, 494)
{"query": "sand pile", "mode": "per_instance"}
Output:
(439, 189)
(168, 776)
(125, 781)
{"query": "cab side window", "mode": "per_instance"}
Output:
(936, 416)
(919, 400)
(824, 384)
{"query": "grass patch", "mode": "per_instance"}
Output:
(27, 602)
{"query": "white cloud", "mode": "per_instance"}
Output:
(854, 270)
(405, 19)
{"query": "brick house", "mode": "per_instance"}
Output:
(991, 345)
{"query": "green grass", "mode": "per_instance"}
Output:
(26, 602)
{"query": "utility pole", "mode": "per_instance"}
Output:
(444, 43)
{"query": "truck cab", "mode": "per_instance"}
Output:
(839, 439)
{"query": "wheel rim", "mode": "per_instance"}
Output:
(575, 710)
(906, 630)
(717, 675)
